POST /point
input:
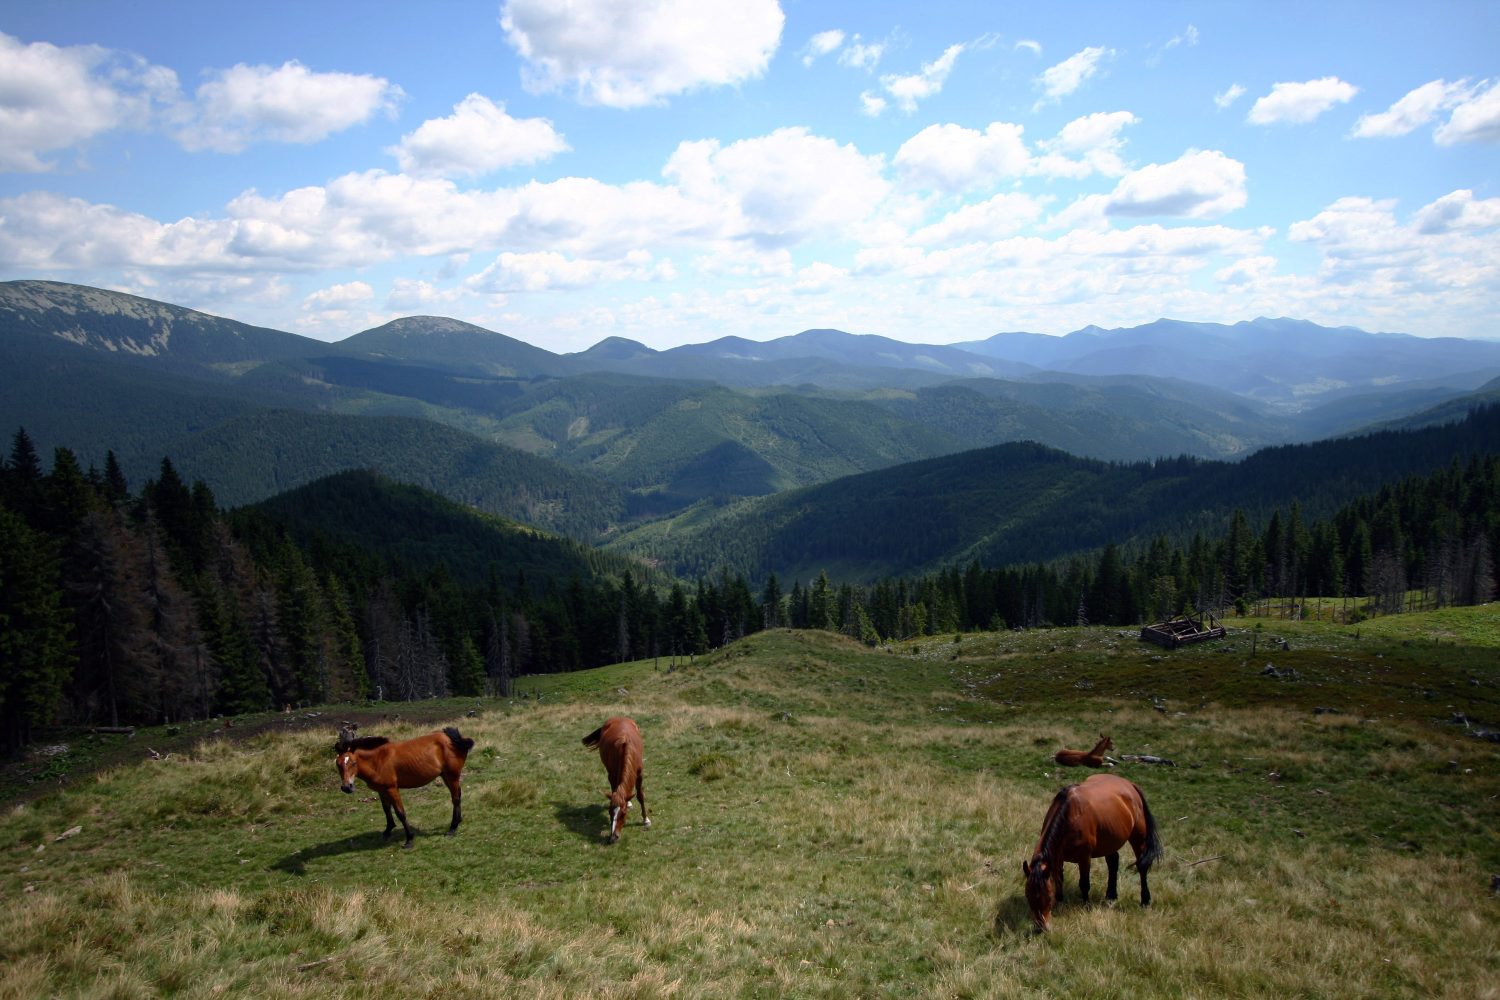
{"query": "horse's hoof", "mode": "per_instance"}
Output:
(450, 833)
(647, 823)
(407, 846)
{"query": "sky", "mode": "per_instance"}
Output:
(674, 171)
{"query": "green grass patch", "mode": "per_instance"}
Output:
(828, 821)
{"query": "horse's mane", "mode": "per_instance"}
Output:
(361, 743)
(1057, 821)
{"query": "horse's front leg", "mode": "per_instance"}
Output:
(455, 789)
(390, 820)
(395, 795)
(1083, 879)
(640, 794)
(1113, 861)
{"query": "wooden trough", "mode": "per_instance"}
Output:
(1183, 629)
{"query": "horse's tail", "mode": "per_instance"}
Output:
(592, 739)
(1153, 839)
(461, 743)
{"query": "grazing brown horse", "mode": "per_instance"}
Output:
(1082, 758)
(619, 743)
(1090, 820)
(389, 767)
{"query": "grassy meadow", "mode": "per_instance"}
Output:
(828, 821)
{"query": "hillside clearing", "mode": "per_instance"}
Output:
(829, 820)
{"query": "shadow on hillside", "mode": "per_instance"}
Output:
(588, 822)
(296, 862)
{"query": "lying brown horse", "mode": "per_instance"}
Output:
(619, 743)
(389, 767)
(1081, 758)
(1085, 821)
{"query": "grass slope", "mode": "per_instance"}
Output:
(829, 821)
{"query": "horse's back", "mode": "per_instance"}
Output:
(1106, 812)
(618, 733)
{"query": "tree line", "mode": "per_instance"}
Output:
(120, 608)
(152, 607)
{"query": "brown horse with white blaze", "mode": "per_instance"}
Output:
(619, 743)
(1092, 819)
(1085, 758)
(388, 767)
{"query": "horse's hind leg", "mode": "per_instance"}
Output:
(455, 789)
(640, 794)
(1113, 861)
(1083, 879)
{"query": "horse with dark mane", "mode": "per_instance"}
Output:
(619, 743)
(1092, 819)
(388, 767)
(1088, 758)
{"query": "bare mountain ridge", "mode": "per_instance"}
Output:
(1287, 363)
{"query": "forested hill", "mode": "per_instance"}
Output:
(1018, 503)
(417, 530)
(119, 608)
(258, 455)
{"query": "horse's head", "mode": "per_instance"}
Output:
(1041, 890)
(619, 808)
(348, 765)
(1105, 743)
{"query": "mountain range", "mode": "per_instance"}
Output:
(619, 443)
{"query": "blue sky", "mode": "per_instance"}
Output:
(689, 169)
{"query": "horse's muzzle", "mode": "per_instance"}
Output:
(348, 787)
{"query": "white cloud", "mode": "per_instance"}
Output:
(872, 104)
(547, 271)
(1248, 271)
(818, 278)
(477, 138)
(628, 55)
(1000, 216)
(1300, 103)
(1188, 37)
(1067, 76)
(906, 91)
(413, 295)
(1227, 97)
(53, 98)
(858, 55)
(953, 158)
(1443, 264)
(339, 296)
(1087, 145)
(783, 187)
(288, 103)
(1413, 111)
(821, 44)
(1475, 120)
(1457, 211)
(1035, 48)
(1199, 184)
